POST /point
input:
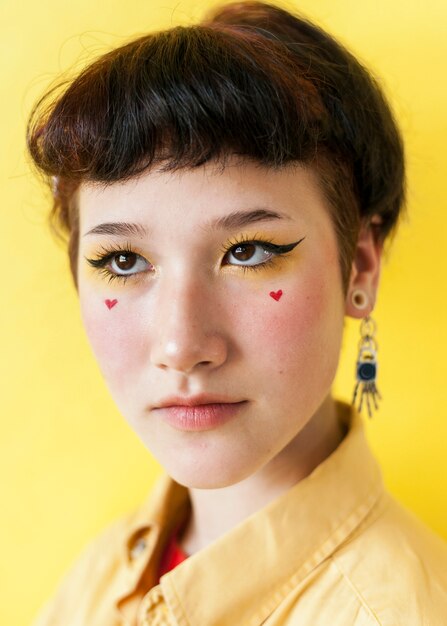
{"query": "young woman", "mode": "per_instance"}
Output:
(227, 189)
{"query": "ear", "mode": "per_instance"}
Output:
(365, 271)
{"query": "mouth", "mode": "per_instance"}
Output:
(198, 400)
(198, 417)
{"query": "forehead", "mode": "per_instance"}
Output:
(203, 195)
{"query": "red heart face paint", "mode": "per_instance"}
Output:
(111, 303)
(276, 294)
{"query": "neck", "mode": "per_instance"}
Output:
(216, 511)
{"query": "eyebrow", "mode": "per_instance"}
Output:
(237, 219)
(232, 221)
(123, 229)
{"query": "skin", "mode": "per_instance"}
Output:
(194, 321)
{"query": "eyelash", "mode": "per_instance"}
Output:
(108, 253)
(265, 243)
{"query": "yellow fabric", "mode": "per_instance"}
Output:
(335, 550)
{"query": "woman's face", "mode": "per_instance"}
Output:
(173, 306)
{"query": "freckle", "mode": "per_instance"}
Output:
(111, 303)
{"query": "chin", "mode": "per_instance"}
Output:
(207, 472)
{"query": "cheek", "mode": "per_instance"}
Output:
(114, 334)
(299, 334)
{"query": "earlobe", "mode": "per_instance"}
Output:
(365, 274)
(359, 299)
(358, 303)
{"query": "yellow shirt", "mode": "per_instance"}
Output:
(334, 550)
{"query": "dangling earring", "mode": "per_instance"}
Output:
(366, 368)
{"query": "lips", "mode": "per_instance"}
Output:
(199, 417)
(190, 401)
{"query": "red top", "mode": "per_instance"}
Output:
(172, 556)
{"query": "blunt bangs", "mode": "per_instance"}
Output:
(183, 96)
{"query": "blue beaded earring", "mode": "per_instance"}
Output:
(366, 367)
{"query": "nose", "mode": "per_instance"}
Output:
(187, 333)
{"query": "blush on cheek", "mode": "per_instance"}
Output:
(286, 330)
(298, 329)
(114, 337)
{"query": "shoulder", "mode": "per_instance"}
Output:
(397, 566)
(93, 575)
(111, 565)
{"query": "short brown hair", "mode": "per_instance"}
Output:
(250, 79)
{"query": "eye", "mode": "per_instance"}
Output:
(251, 251)
(120, 264)
(125, 263)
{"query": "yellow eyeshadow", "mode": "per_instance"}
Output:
(242, 238)
(270, 266)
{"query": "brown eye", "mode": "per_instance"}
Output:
(249, 251)
(126, 261)
(244, 252)
(121, 263)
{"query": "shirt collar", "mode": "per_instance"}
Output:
(276, 547)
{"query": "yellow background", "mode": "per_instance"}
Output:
(68, 462)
